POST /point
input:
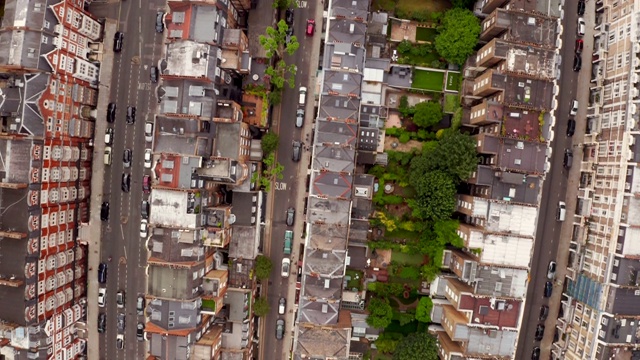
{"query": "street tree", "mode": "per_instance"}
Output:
(275, 41)
(454, 154)
(458, 35)
(269, 143)
(417, 346)
(285, 4)
(427, 114)
(281, 74)
(380, 313)
(261, 307)
(423, 311)
(435, 196)
(263, 267)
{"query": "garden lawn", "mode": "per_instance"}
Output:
(426, 34)
(356, 279)
(385, 5)
(410, 259)
(401, 234)
(451, 103)
(453, 80)
(422, 5)
(427, 80)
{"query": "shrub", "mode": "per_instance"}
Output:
(404, 138)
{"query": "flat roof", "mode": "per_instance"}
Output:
(187, 97)
(245, 241)
(503, 249)
(510, 186)
(174, 209)
(176, 245)
(183, 136)
(322, 342)
(176, 171)
(328, 211)
(227, 140)
(511, 218)
(528, 27)
(344, 56)
(184, 314)
(173, 283)
(189, 59)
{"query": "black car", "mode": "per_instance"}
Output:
(140, 331)
(577, 63)
(102, 322)
(121, 322)
(126, 158)
(102, 273)
(535, 355)
(581, 6)
(111, 112)
(159, 21)
(144, 209)
(131, 114)
(291, 216)
(126, 182)
(296, 151)
(548, 288)
(539, 332)
(153, 74)
(544, 312)
(571, 127)
(104, 211)
(288, 17)
(117, 41)
(279, 329)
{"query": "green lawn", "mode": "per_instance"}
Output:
(451, 103)
(208, 305)
(453, 81)
(401, 234)
(410, 259)
(384, 5)
(410, 272)
(417, 60)
(356, 279)
(427, 80)
(423, 5)
(426, 34)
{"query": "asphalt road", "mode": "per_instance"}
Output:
(142, 47)
(291, 181)
(554, 190)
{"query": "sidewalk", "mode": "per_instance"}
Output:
(93, 229)
(571, 193)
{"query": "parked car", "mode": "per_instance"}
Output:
(296, 152)
(286, 266)
(144, 229)
(102, 273)
(568, 158)
(120, 299)
(121, 322)
(146, 184)
(140, 331)
(544, 312)
(160, 21)
(131, 115)
(282, 305)
(551, 270)
(291, 216)
(117, 41)
(104, 211)
(288, 16)
(535, 355)
(144, 209)
(111, 112)
(108, 136)
(153, 74)
(539, 332)
(289, 34)
(302, 97)
(140, 302)
(581, 7)
(108, 155)
(581, 26)
(571, 127)
(577, 62)
(299, 118)
(148, 131)
(102, 297)
(147, 158)
(279, 329)
(311, 27)
(126, 182)
(126, 158)
(574, 108)
(102, 322)
(548, 289)
(120, 341)
(579, 46)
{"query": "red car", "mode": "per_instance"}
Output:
(311, 27)
(579, 46)
(146, 184)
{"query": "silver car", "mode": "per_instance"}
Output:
(299, 118)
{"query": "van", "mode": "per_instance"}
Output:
(562, 211)
(303, 95)
(107, 155)
(568, 158)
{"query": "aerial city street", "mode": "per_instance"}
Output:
(319, 179)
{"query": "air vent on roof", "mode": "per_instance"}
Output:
(326, 283)
(325, 308)
(352, 28)
(520, 145)
(517, 161)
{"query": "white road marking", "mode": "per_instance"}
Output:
(280, 185)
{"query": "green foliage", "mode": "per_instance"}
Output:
(269, 143)
(388, 341)
(386, 290)
(458, 35)
(388, 222)
(417, 346)
(404, 108)
(446, 232)
(263, 267)
(274, 98)
(420, 135)
(427, 114)
(410, 273)
(275, 39)
(404, 318)
(435, 198)
(462, 4)
(271, 172)
(261, 307)
(455, 155)
(380, 313)
(404, 138)
(284, 4)
(423, 311)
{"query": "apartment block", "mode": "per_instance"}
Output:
(599, 318)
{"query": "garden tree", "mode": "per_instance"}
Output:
(389, 223)
(403, 106)
(462, 4)
(387, 341)
(285, 4)
(446, 233)
(405, 317)
(275, 41)
(269, 143)
(455, 154)
(261, 307)
(263, 267)
(380, 313)
(458, 35)
(417, 346)
(278, 76)
(427, 114)
(435, 196)
(423, 311)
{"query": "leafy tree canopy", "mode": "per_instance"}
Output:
(417, 346)
(435, 198)
(261, 307)
(423, 311)
(455, 154)
(269, 143)
(458, 35)
(263, 267)
(427, 114)
(446, 232)
(387, 341)
(275, 40)
(380, 313)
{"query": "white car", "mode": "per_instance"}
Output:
(102, 297)
(282, 306)
(148, 131)
(147, 158)
(581, 26)
(286, 266)
(144, 228)
(120, 341)
(303, 95)
(574, 108)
